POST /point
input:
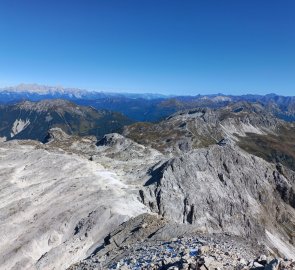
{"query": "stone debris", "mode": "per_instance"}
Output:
(189, 253)
(150, 242)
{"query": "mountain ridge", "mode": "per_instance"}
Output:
(146, 107)
(32, 120)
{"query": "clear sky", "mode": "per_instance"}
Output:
(164, 46)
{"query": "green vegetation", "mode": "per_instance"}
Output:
(275, 148)
(159, 136)
(168, 135)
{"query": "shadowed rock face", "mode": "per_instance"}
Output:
(224, 189)
(32, 120)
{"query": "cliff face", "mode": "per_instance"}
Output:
(224, 189)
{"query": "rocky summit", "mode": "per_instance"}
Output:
(188, 192)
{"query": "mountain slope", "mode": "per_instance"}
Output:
(201, 127)
(32, 120)
(277, 147)
(92, 186)
(56, 206)
(220, 188)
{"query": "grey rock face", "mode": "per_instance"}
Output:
(56, 134)
(222, 188)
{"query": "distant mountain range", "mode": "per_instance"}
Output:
(36, 92)
(145, 107)
(32, 120)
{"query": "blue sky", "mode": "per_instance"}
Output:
(164, 46)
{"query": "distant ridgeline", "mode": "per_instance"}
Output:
(145, 107)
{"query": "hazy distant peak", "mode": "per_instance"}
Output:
(29, 90)
(45, 90)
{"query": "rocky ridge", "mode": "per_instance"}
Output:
(201, 127)
(213, 188)
(145, 106)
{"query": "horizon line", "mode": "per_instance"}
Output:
(132, 92)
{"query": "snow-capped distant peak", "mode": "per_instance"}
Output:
(45, 90)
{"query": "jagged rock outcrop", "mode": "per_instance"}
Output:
(129, 159)
(56, 134)
(212, 188)
(224, 189)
